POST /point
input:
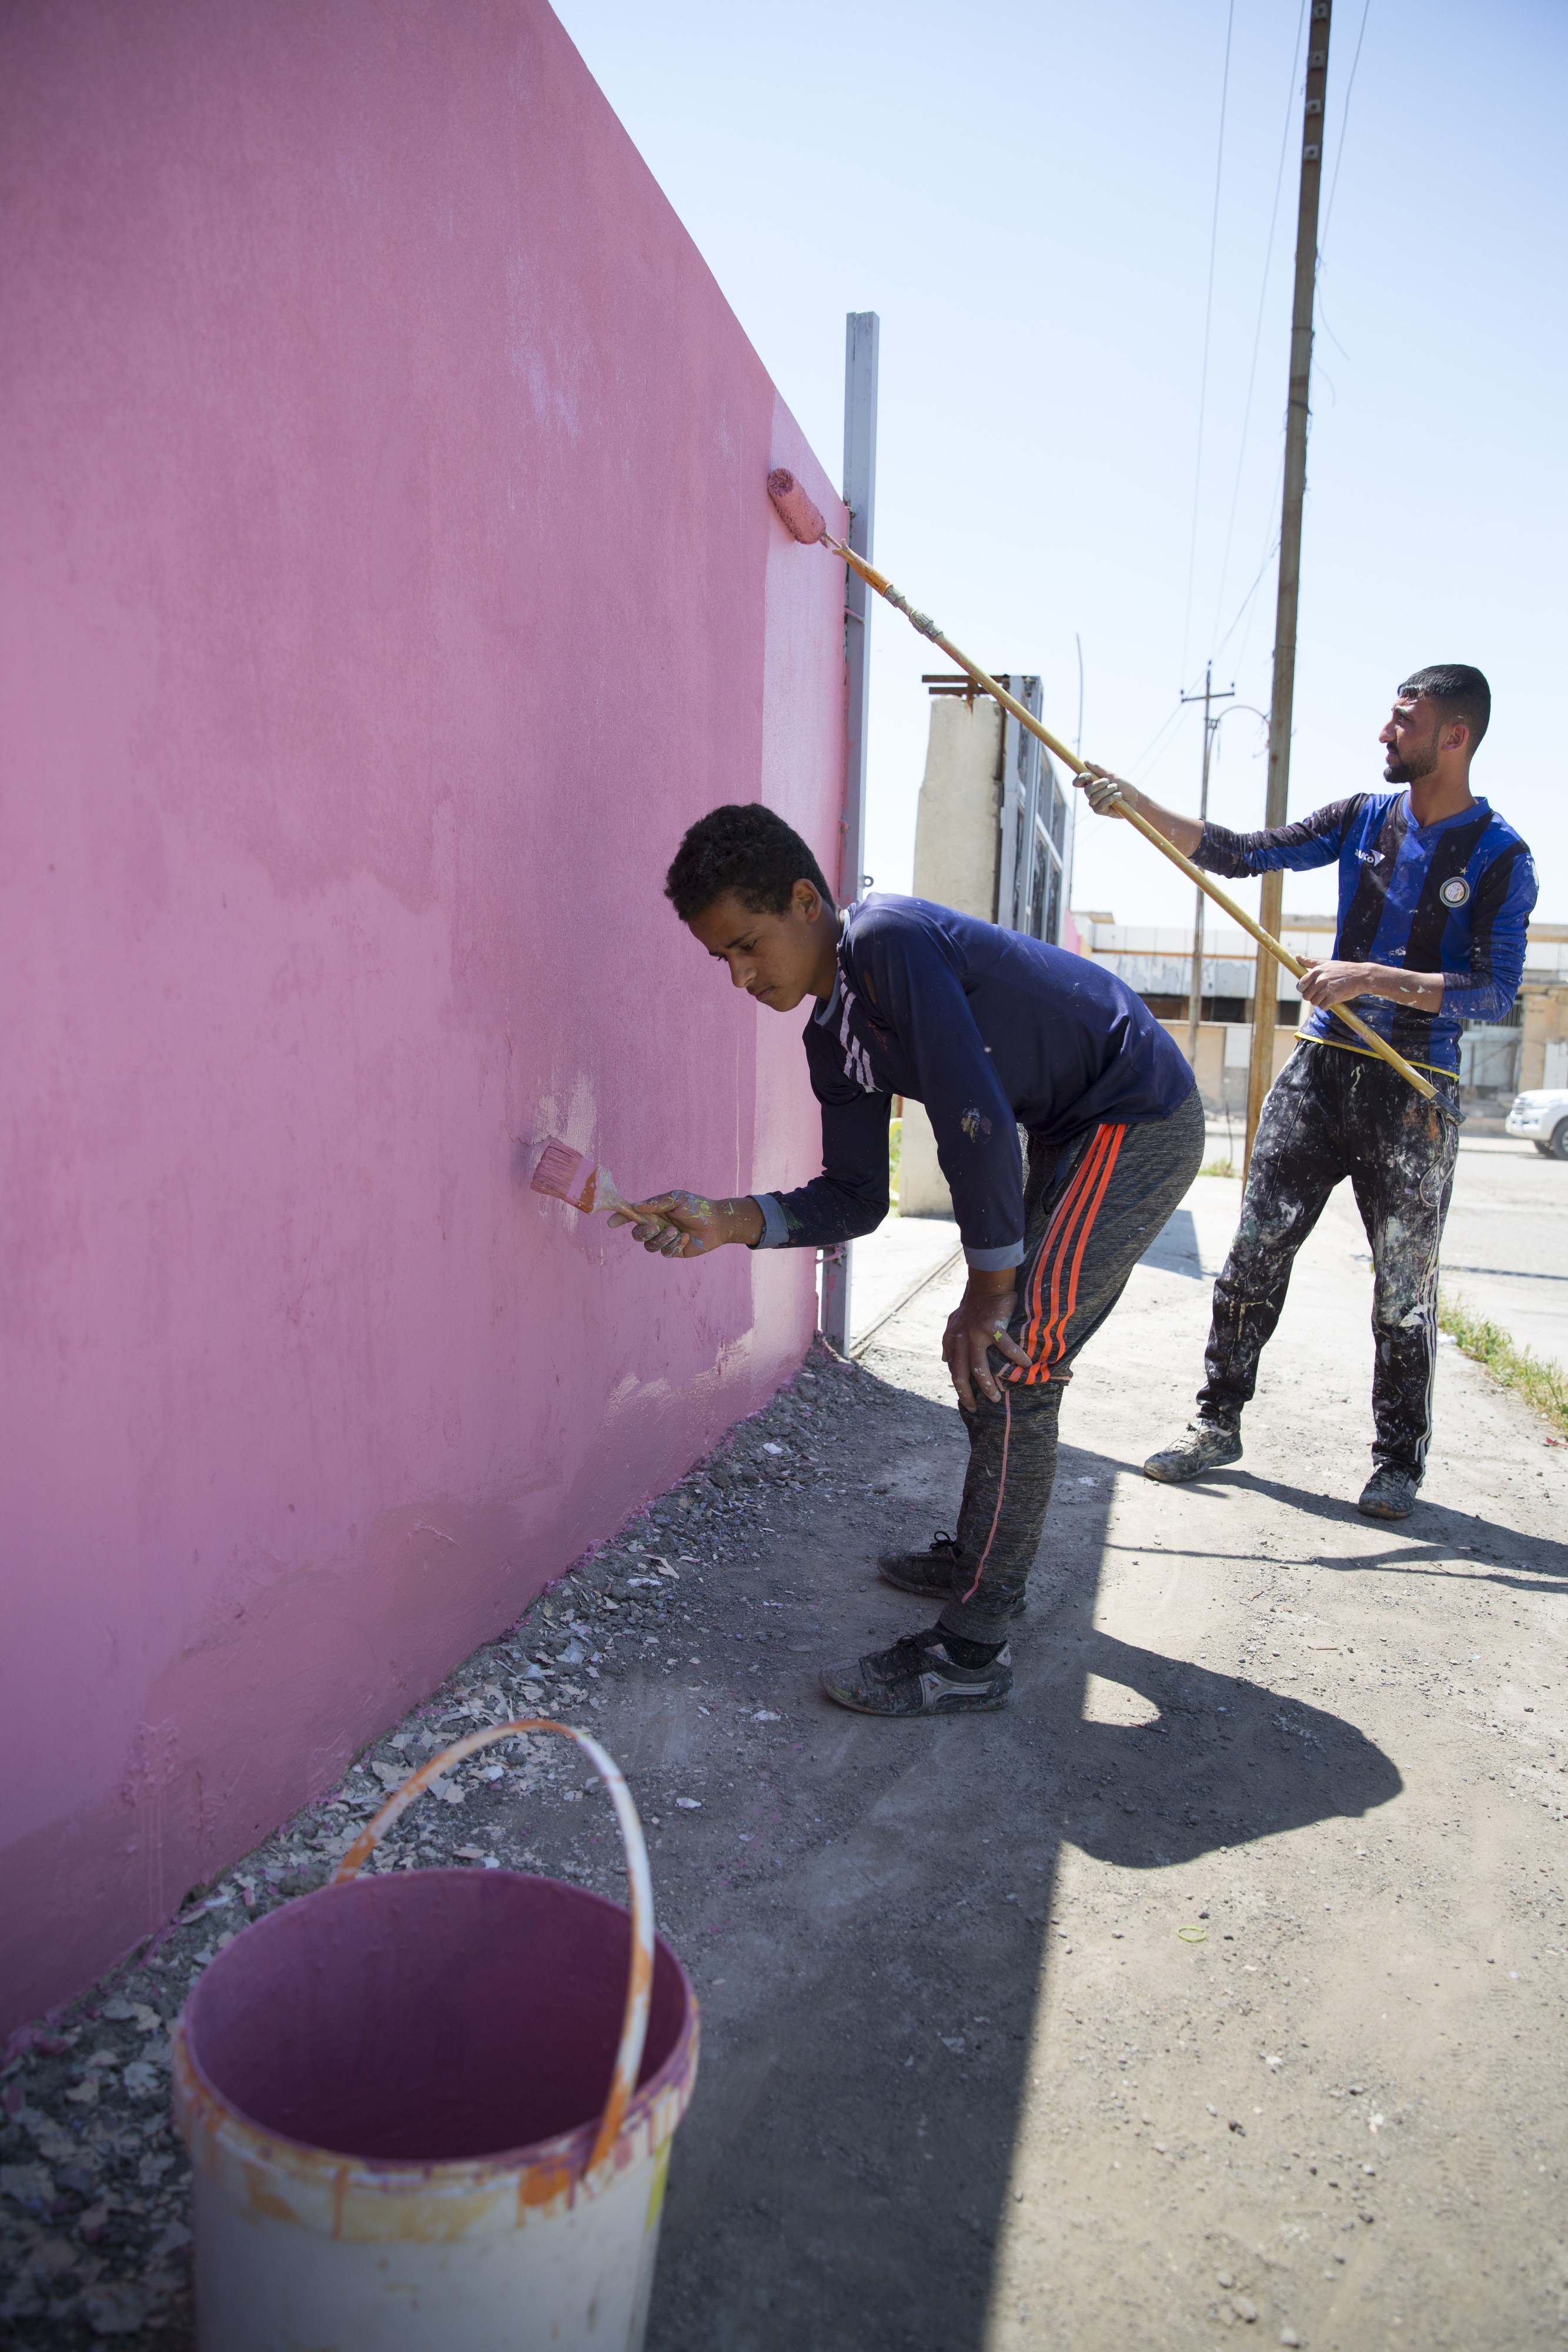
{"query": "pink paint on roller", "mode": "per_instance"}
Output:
(796, 510)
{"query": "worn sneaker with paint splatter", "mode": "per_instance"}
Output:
(930, 1572)
(1389, 1494)
(919, 1675)
(1202, 1445)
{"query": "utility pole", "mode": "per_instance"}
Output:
(1195, 994)
(1265, 987)
(861, 336)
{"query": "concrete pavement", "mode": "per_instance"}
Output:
(1505, 1251)
(1222, 1982)
(889, 1265)
(1297, 2065)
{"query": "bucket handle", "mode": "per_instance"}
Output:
(640, 1986)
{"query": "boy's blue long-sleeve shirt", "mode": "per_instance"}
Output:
(990, 1029)
(1453, 897)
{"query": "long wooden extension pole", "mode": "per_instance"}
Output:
(987, 685)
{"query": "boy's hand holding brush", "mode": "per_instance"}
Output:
(698, 1224)
(671, 1225)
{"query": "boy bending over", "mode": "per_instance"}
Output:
(993, 1032)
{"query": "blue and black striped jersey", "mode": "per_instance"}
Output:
(1453, 897)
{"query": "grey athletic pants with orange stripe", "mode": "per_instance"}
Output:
(1090, 1213)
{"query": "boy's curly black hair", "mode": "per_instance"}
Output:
(746, 848)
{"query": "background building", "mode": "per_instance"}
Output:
(1542, 1024)
(1496, 1059)
(993, 838)
(1157, 964)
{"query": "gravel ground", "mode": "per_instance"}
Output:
(94, 2235)
(1218, 1985)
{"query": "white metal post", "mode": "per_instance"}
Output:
(862, 331)
(862, 334)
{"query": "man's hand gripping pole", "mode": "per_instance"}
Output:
(806, 523)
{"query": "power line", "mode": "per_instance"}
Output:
(1343, 128)
(1153, 743)
(1290, 117)
(1252, 607)
(1339, 158)
(1268, 554)
(1208, 322)
(1257, 330)
(1273, 544)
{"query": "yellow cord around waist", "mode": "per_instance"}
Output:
(1305, 1037)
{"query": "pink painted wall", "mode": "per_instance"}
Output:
(388, 579)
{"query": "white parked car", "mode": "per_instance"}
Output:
(1542, 1118)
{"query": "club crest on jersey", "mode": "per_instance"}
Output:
(1454, 891)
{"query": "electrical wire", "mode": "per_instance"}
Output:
(1273, 545)
(1207, 323)
(1153, 745)
(1268, 554)
(1322, 307)
(1257, 329)
(1343, 128)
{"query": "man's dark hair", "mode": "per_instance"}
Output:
(742, 847)
(1459, 691)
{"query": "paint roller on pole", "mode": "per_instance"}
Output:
(804, 521)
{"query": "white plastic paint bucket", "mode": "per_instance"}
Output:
(432, 2112)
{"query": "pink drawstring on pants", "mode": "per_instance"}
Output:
(1001, 1489)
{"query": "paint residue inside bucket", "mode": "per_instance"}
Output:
(435, 2018)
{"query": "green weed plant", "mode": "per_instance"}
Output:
(1538, 1381)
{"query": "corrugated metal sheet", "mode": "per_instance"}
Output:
(1170, 975)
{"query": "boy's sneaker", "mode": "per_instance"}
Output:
(1389, 1494)
(917, 1676)
(1202, 1445)
(929, 1573)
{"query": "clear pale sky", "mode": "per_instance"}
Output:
(1025, 194)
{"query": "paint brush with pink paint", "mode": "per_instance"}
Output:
(576, 1178)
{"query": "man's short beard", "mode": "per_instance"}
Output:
(1411, 771)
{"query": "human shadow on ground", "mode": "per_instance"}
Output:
(842, 2180)
(1224, 1763)
(1435, 1531)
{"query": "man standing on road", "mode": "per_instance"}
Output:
(1434, 894)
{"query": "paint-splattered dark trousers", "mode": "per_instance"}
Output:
(1090, 1213)
(1329, 1115)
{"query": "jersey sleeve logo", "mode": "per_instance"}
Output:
(1455, 891)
